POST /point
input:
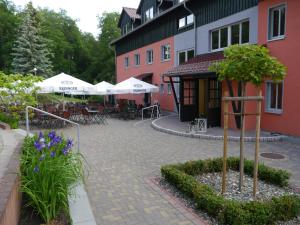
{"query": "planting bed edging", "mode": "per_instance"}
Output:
(230, 211)
(10, 197)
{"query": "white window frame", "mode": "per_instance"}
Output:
(149, 14)
(268, 98)
(126, 61)
(147, 56)
(137, 59)
(185, 21)
(228, 35)
(163, 52)
(270, 22)
(186, 55)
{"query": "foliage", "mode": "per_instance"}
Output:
(30, 48)
(16, 92)
(249, 63)
(229, 211)
(11, 121)
(271, 175)
(9, 22)
(49, 168)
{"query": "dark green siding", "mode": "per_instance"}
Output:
(166, 26)
(145, 5)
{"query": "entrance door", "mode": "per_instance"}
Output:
(188, 106)
(214, 103)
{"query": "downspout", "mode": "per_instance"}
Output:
(195, 30)
(158, 7)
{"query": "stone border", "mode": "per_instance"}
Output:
(211, 137)
(10, 196)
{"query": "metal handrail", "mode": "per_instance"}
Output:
(55, 116)
(152, 106)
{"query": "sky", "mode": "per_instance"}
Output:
(85, 11)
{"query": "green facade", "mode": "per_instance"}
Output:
(166, 25)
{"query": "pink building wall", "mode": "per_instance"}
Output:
(158, 68)
(287, 51)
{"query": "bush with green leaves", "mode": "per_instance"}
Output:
(49, 169)
(230, 211)
(10, 120)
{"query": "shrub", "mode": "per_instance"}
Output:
(10, 120)
(49, 168)
(230, 211)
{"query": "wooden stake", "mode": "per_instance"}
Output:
(242, 134)
(255, 172)
(225, 144)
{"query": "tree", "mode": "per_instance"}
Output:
(9, 21)
(30, 49)
(246, 64)
(16, 92)
(108, 24)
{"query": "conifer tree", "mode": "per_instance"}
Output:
(30, 48)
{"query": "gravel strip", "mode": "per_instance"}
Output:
(214, 180)
(265, 190)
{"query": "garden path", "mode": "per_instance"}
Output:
(122, 159)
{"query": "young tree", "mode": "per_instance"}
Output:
(30, 48)
(243, 64)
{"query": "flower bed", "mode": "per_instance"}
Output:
(231, 211)
(49, 168)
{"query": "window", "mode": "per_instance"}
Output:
(136, 59)
(230, 35)
(188, 92)
(169, 89)
(184, 21)
(149, 14)
(184, 56)
(149, 56)
(165, 52)
(126, 61)
(277, 22)
(274, 93)
(161, 89)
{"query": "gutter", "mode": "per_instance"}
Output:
(195, 27)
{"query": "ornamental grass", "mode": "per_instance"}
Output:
(49, 170)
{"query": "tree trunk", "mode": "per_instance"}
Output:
(242, 134)
(236, 106)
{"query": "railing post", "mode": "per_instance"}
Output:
(225, 144)
(27, 121)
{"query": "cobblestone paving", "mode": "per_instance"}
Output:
(123, 157)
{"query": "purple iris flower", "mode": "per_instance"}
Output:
(52, 154)
(65, 151)
(52, 135)
(41, 135)
(69, 143)
(36, 169)
(42, 157)
(38, 146)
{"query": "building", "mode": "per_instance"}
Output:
(172, 43)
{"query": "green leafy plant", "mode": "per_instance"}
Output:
(230, 211)
(10, 120)
(16, 92)
(49, 169)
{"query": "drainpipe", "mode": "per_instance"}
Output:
(195, 28)
(161, 1)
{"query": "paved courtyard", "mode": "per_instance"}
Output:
(122, 158)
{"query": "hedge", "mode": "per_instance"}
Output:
(11, 121)
(231, 211)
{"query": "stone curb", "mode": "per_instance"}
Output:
(155, 126)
